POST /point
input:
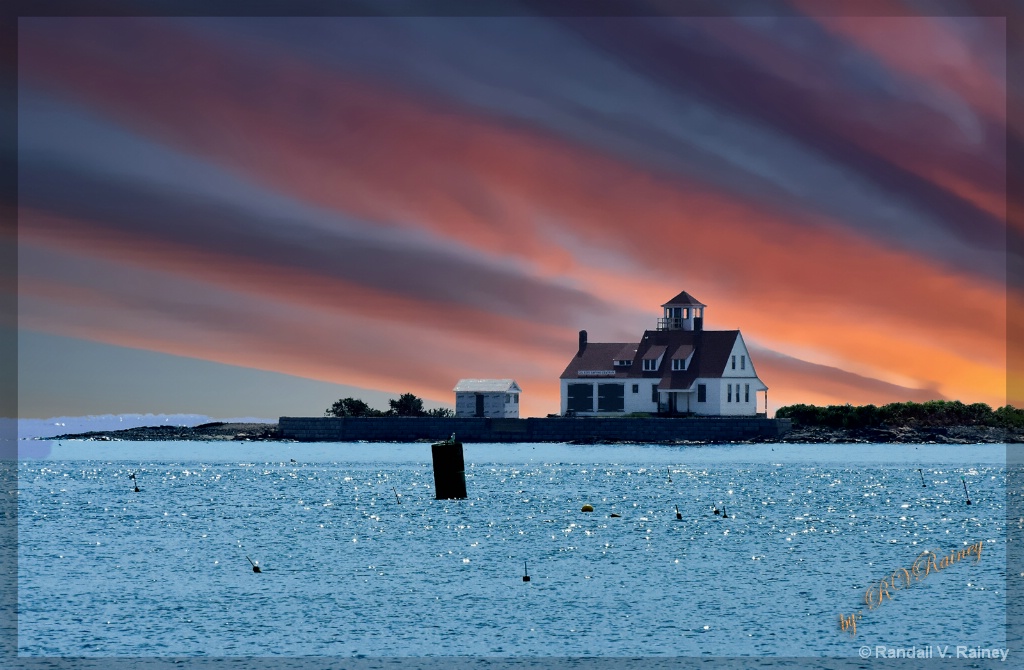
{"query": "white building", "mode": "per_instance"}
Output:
(492, 398)
(680, 368)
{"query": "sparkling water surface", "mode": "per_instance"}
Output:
(348, 570)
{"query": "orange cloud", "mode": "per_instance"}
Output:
(407, 162)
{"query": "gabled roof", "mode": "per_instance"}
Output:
(488, 386)
(684, 299)
(710, 356)
(711, 349)
(599, 357)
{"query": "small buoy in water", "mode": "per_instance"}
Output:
(132, 475)
(615, 516)
(679, 516)
(526, 574)
(255, 565)
(716, 511)
(724, 515)
(587, 508)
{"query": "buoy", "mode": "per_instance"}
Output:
(669, 471)
(965, 490)
(716, 510)
(587, 508)
(255, 565)
(132, 475)
(724, 515)
(396, 495)
(678, 515)
(526, 574)
(923, 485)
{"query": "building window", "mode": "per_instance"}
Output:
(515, 398)
(746, 393)
(729, 392)
(650, 364)
(624, 363)
(654, 393)
(733, 362)
(702, 393)
(678, 363)
(743, 362)
(636, 388)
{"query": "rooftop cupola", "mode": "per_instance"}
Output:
(683, 312)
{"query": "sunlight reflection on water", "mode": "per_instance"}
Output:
(107, 571)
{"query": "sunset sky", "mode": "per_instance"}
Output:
(258, 216)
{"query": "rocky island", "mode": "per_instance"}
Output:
(260, 432)
(207, 432)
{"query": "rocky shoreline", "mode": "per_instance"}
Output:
(207, 432)
(269, 432)
(905, 435)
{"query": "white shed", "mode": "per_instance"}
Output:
(492, 398)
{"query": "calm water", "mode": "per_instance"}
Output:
(348, 571)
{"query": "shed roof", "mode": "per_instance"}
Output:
(627, 353)
(655, 352)
(488, 386)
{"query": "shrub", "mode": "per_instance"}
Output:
(911, 414)
(351, 407)
(406, 405)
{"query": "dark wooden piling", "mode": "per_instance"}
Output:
(449, 471)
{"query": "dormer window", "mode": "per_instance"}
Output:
(624, 363)
(678, 364)
(652, 358)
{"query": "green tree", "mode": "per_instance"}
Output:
(406, 405)
(351, 407)
(441, 412)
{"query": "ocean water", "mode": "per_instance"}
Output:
(360, 560)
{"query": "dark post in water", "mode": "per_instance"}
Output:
(449, 470)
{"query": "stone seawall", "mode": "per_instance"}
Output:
(590, 429)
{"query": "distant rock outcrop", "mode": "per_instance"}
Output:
(205, 432)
